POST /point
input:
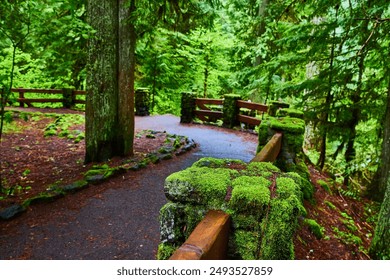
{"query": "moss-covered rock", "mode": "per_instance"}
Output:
(244, 245)
(306, 187)
(288, 124)
(200, 185)
(187, 107)
(250, 195)
(216, 162)
(230, 110)
(172, 220)
(279, 228)
(264, 169)
(289, 112)
(263, 226)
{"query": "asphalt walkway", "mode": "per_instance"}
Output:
(122, 221)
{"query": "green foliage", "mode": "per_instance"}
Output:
(250, 195)
(325, 186)
(315, 228)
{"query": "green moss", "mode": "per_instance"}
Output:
(286, 187)
(292, 125)
(200, 185)
(50, 132)
(216, 162)
(193, 216)
(104, 170)
(293, 113)
(315, 228)
(264, 169)
(300, 167)
(279, 229)
(330, 205)
(306, 187)
(244, 221)
(245, 244)
(264, 135)
(324, 185)
(165, 251)
(250, 195)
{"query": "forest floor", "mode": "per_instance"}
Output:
(32, 162)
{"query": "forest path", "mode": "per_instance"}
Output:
(119, 218)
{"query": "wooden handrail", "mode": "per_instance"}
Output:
(208, 241)
(252, 106)
(271, 150)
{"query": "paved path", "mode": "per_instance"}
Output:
(121, 220)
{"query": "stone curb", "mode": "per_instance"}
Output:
(55, 193)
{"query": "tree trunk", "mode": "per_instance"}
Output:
(110, 82)
(127, 43)
(380, 245)
(378, 187)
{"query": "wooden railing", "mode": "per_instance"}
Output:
(251, 106)
(205, 111)
(66, 96)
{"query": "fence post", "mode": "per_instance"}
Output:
(21, 96)
(230, 110)
(69, 98)
(187, 107)
(274, 106)
(142, 102)
(293, 130)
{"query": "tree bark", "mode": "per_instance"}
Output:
(126, 56)
(380, 248)
(110, 82)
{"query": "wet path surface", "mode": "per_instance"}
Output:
(120, 221)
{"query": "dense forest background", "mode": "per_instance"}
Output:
(327, 58)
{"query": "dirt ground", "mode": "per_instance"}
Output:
(31, 163)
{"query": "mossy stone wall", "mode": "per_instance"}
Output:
(274, 106)
(293, 129)
(68, 98)
(142, 102)
(230, 110)
(263, 202)
(187, 107)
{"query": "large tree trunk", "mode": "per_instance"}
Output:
(380, 245)
(127, 43)
(110, 83)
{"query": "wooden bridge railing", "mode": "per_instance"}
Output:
(205, 112)
(68, 97)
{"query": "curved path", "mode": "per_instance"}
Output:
(120, 220)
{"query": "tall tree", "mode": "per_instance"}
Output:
(110, 94)
(380, 245)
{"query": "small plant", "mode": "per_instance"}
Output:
(325, 186)
(315, 228)
(348, 222)
(26, 172)
(330, 205)
(347, 237)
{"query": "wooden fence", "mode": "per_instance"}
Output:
(211, 110)
(67, 97)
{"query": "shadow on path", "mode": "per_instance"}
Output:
(121, 220)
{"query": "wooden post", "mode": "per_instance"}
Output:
(21, 97)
